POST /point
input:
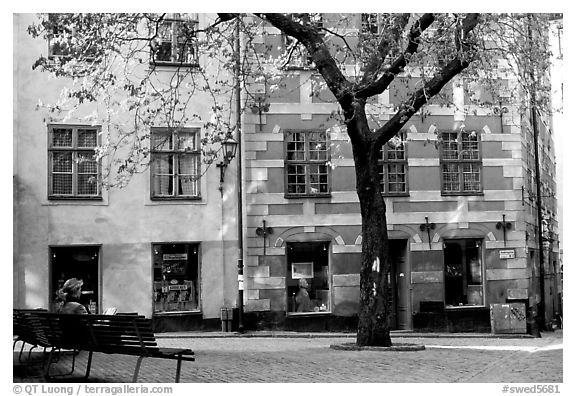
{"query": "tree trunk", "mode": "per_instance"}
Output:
(373, 325)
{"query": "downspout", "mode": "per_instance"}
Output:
(239, 180)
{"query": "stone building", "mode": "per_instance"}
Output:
(459, 185)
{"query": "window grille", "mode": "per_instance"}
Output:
(306, 157)
(393, 167)
(460, 163)
(74, 171)
(176, 42)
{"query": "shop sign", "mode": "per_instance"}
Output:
(177, 287)
(175, 256)
(507, 254)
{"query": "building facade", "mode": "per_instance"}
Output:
(163, 246)
(459, 185)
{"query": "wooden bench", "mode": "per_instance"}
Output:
(27, 330)
(110, 334)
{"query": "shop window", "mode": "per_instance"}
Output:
(175, 163)
(307, 277)
(393, 163)
(306, 163)
(463, 272)
(74, 170)
(80, 262)
(175, 42)
(460, 163)
(176, 270)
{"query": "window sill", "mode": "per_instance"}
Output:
(458, 307)
(76, 198)
(172, 65)
(163, 199)
(294, 196)
(385, 195)
(301, 314)
(177, 313)
(451, 194)
(294, 67)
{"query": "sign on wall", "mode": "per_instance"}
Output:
(507, 254)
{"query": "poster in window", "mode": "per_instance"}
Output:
(302, 270)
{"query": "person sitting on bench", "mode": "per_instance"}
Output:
(69, 297)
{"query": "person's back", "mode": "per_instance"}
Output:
(72, 307)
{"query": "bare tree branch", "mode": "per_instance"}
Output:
(384, 81)
(433, 86)
(314, 43)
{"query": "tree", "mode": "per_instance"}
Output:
(101, 51)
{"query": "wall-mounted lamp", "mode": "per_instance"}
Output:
(260, 106)
(229, 146)
(264, 232)
(504, 226)
(428, 226)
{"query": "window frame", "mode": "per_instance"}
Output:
(196, 247)
(460, 162)
(176, 153)
(307, 162)
(385, 161)
(325, 247)
(369, 23)
(462, 242)
(175, 21)
(75, 151)
(62, 32)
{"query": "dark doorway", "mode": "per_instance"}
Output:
(76, 262)
(399, 282)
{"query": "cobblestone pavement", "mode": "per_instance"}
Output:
(302, 360)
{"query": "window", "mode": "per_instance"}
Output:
(175, 163)
(176, 269)
(74, 171)
(63, 42)
(369, 24)
(307, 278)
(460, 163)
(79, 262)
(297, 56)
(306, 169)
(393, 162)
(175, 42)
(463, 272)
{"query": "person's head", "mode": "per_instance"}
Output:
(72, 288)
(303, 283)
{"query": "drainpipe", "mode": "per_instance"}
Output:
(535, 130)
(239, 180)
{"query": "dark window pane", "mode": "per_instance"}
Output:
(87, 138)
(62, 137)
(62, 184)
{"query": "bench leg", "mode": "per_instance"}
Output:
(178, 368)
(49, 363)
(51, 360)
(137, 369)
(88, 365)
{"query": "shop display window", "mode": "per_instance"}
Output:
(176, 270)
(463, 272)
(307, 277)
